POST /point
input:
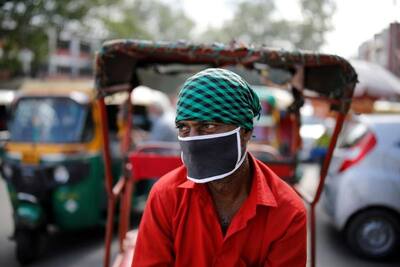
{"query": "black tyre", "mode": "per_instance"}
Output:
(373, 233)
(29, 244)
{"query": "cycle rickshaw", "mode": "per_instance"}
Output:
(122, 65)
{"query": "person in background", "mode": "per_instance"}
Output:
(223, 207)
(162, 118)
(162, 129)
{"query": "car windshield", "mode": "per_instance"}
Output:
(47, 120)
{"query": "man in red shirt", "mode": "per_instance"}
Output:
(224, 207)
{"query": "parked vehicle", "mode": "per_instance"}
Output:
(6, 98)
(362, 191)
(121, 66)
(273, 127)
(315, 133)
(273, 134)
(52, 162)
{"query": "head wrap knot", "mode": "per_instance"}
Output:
(218, 95)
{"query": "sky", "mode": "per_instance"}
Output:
(354, 22)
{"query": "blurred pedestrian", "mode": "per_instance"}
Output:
(162, 118)
(162, 129)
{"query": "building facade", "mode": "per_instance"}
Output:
(384, 49)
(71, 55)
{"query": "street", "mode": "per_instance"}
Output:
(86, 248)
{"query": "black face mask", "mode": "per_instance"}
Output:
(211, 157)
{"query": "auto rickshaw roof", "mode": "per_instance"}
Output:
(118, 60)
(57, 87)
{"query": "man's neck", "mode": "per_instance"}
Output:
(234, 186)
(229, 194)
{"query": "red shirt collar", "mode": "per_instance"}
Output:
(260, 190)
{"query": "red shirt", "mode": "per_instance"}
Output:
(180, 225)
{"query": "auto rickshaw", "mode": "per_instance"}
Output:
(273, 132)
(52, 162)
(121, 65)
(6, 98)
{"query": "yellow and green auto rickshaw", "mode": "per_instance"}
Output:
(6, 98)
(52, 162)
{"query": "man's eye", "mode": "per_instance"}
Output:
(181, 127)
(209, 126)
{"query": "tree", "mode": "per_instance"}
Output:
(254, 22)
(24, 25)
(149, 19)
(250, 23)
(316, 22)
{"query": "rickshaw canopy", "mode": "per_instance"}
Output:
(327, 75)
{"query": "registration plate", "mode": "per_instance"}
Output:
(30, 158)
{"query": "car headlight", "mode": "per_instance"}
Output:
(61, 174)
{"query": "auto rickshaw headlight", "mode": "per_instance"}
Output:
(61, 174)
(7, 171)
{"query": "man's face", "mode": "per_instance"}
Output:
(189, 128)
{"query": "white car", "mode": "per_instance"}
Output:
(362, 190)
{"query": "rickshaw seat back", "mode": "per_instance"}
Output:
(153, 161)
(284, 170)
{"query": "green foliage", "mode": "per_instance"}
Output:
(250, 23)
(255, 22)
(24, 24)
(316, 22)
(149, 19)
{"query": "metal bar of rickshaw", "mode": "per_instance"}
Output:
(323, 173)
(109, 178)
(125, 204)
(124, 184)
(341, 116)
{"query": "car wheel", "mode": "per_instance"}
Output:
(373, 233)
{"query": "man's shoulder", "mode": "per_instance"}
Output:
(285, 196)
(170, 182)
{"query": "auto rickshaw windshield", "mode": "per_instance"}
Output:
(48, 120)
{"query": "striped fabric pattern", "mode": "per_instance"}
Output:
(218, 95)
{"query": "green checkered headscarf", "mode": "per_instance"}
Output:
(218, 95)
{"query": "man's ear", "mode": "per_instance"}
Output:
(245, 135)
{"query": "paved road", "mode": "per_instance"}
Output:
(86, 248)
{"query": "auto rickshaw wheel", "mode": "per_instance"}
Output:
(29, 244)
